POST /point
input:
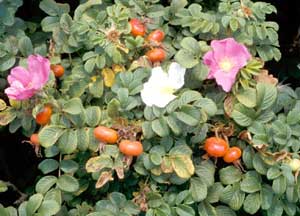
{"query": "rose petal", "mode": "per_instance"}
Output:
(176, 75)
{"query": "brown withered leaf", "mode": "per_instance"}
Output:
(229, 105)
(120, 172)
(245, 135)
(265, 77)
(104, 178)
(279, 156)
(127, 160)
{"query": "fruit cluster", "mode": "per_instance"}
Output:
(218, 147)
(153, 40)
(110, 136)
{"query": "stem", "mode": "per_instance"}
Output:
(23, 196)
(59, 171)
(70, 59)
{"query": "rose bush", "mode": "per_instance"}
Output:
(133, 133)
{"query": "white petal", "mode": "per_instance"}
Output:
(147, 94)
(157, 74)
(162, 100)
(176, 75)
(151, 95)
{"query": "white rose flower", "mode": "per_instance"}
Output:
(161, 86)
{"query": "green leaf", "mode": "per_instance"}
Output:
(252, 203)
(198, 189)
(266, 194)
(7, 62)
(259, 164)
(93, 116)
(250, 183)
(206, 171)
(276, 209)
(68, 183)
(45, 183)
(224, 211)
(67, 143)
(188, 115)
(34, 203)
(208, 105)
(3, 186)
(188, 97)
(186, 59)
(49, 208)
(54, 194)
(230, 175)
(96, 88)
(279, 185)
(183, 166)
(184, 210)
(54, 9)
(247, 97)
(25, 46)
(155, 158)
(273, 173)
(266, 95)
(49, 24)
(173, 123)
(48, 165)
(73, 106)
(113, 108)
(191, 44)
(205, 209)
(160, 127)
(69, 166)
(242, 115)
(214, 192)
(50, 134)
(82, 139)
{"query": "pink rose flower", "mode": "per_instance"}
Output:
(24, 83)
(225, 60)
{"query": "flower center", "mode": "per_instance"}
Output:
(167, 90)
(226, 65)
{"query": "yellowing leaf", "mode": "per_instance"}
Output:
(95, 164)
(118, 68)
(108, 77)
(183, 166)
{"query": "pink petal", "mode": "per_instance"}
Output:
(238, 52)
(219, 48)
(226, 80)
(208, 59)
(20, 74)
(39, 68)
(18, 92)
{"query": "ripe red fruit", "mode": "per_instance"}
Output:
(106, 135)
(58, 70)
(34, 139)
(44, 116)
(233, 154)
(137, 27)
(156, 36)
(156, 55)
(216, 147)
(131, 148)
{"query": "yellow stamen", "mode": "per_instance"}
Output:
(226, 65)
(167, 90)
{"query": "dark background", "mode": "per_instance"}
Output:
(18, 163)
